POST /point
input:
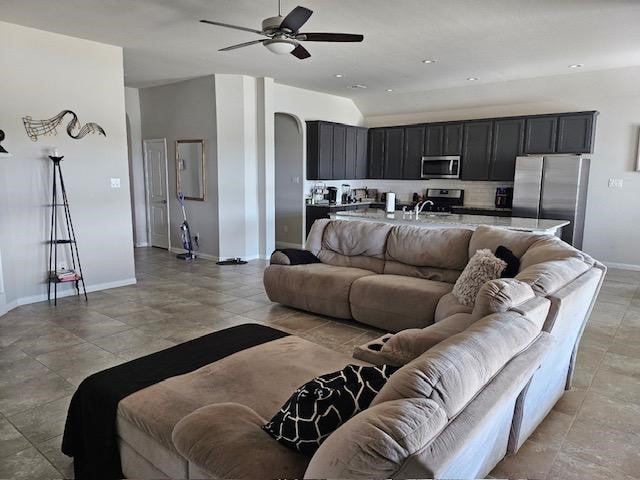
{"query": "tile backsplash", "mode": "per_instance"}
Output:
(477, 194)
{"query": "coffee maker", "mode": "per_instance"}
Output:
(504, 197)
(332, 195)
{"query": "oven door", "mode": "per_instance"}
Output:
(441, 167)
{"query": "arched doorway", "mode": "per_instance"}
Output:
(289, 182)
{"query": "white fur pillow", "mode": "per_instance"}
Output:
(482, 267)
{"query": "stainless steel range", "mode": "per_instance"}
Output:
(444, 199)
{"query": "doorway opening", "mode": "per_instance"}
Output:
(157, 192)
(289, 182)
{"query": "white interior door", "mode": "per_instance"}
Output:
(155, 162)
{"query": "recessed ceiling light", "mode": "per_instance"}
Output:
(576, 65)
(358, 86)
(429, 60)
(338, 75)
(389, 89)
(472, 79)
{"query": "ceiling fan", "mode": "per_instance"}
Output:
(284, 36)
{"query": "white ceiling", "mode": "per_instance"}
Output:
(494, 40)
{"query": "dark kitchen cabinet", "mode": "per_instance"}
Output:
(434, 140)
(376, 152)
(414, 147)
(576, 133)
(508, 143)
(540, 135)
(319, 151)
(361, 152)
(393, 153)
(351, 152)
(452, 139)
(336, 151)
(476, 150)
(339, 159)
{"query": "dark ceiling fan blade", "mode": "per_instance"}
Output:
(296, 18)
(300, 52)
(329, 37)
(235, 27)
(240, 45)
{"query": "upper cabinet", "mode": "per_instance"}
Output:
(576, 133)
(476, 150)
(376, 152)
(508, 143)
(336, 151)
(488, 147)
(541, 135)
(414, 149)
(393, 153)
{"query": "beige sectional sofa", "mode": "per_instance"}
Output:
(475, 381)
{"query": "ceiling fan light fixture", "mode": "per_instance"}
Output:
(280, 46)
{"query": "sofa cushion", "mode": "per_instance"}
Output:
(548, 277)
(443, 248)
(375, 443)
(482, 267)
(550, 248)
(355, 244)
(493, 237)
(449, 305)
(408, 345)
(396, 302)
(317, 408)
(316, 287)
(501, 295)
(252, 377)
(226, 440)
(452, 372)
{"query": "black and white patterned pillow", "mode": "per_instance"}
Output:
(321, 405)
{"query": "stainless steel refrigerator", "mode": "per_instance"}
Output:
(553, 187)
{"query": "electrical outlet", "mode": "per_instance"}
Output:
(295, 180)
(285, 229)
(115, 183)
(615, 183)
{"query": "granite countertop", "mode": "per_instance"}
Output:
(480, 207)
(335, 205)
(426, 218)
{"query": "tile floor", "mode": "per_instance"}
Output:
(593, 432)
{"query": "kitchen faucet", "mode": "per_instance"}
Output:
(420, 206)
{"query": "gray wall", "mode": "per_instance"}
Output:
(186, 110)
(89, 80)
(136, 166)
(289, 161)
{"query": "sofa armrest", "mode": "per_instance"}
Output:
(501, 295)
(226, 440)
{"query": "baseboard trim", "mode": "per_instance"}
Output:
(7, 307)
(143, 244)
(67, 293)
(206, 256)
(623, 266)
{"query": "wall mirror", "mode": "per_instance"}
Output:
(190, 169)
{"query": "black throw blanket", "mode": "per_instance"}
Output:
(90, 435)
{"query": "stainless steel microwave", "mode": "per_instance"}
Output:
(441, 167)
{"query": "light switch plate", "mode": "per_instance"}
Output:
(115, 183)
(615, 183)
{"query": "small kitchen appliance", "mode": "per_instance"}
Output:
(504, 197)
(318, 193)
(332, 195)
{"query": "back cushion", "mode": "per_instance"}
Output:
(455, 370)
(493, 237)
(355, 244)
(551, 248)
(434, 253)
(548, 277)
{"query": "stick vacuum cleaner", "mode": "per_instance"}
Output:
(187, 242)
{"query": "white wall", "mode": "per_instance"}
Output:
(186, 110)
(612, 225)
(42, 74)
(136, 166)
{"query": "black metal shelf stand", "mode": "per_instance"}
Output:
(54, 241)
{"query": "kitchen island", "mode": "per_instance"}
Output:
(431, 219)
